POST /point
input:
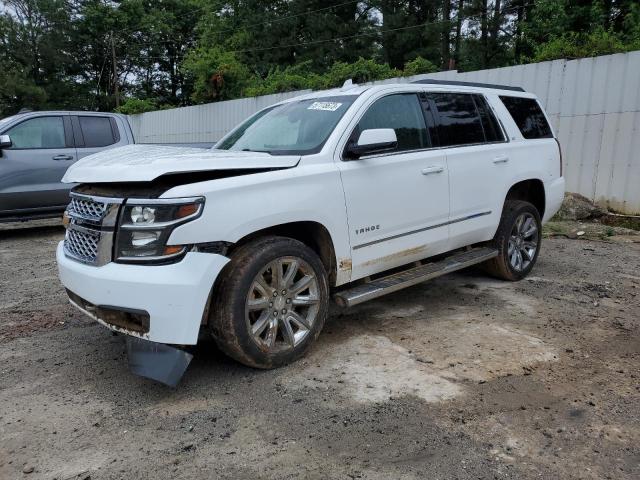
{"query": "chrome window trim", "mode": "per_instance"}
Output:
(343, 144)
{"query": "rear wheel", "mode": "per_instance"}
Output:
(518, 241)
(271, 303)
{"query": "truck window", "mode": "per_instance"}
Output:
(490, 125)
(403, 113)
(96, 131)
(458, 119)
(527, 114)
(41, 132)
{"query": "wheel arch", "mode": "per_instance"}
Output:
(530, 190)
(313, 234)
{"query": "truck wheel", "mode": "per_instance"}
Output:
(271, 302)
(518, 241)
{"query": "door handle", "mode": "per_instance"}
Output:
(62, 157)
(500, 159)
(433, 169)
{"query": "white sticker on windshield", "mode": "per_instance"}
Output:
(327, 106)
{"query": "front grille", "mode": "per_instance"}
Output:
(87, 208)
(91, 228)
(82, 245)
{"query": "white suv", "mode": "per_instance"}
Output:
(351, 193)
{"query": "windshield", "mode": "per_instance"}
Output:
(294, 128)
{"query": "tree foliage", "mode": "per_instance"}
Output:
(94, 54)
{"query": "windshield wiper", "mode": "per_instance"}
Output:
(259, 151)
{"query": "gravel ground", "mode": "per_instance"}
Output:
(462, 377)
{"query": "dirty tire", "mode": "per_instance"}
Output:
(501, 266)
(229, 322)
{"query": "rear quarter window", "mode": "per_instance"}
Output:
(528, 115)
(97, 131)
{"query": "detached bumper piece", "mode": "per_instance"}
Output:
(157, 361)
(125, 320)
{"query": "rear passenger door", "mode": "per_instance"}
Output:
(477, 155)
(94, 133)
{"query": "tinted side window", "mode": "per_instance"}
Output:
(528, 117)
(96, 131)
(458, 119)
(42, 132)
(401, 112)
(490, 125)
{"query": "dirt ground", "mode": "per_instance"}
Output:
(462, 377)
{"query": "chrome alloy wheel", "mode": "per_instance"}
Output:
(523, 242)
(282, 304)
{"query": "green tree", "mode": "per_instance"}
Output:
(217, 74)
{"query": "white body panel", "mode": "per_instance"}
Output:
(381, 211)
(175, 296)
(144, 163)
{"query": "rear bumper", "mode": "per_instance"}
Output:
(174, 296)
(554, 195)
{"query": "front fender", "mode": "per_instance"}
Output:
(236, 207)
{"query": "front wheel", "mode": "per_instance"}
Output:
(518, 241)
(271, 303)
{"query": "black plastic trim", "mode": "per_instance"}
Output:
(424, 229)
(429, 81)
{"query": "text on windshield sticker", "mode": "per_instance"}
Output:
(327, 106)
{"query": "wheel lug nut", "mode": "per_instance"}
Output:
(275, 313)
(275, 294)
(284, 310)
(271, 304)
(288, 300)
(284, 292)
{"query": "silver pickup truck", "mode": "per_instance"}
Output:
(36, 148)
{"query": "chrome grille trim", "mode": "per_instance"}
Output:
(86, 208)
(82, 246)
(90, 233)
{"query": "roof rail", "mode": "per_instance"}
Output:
(430, 81)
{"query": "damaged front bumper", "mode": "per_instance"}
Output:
(159, 303)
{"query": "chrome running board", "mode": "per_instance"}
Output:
(407, 278)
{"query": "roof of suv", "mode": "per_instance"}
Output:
(432, 85)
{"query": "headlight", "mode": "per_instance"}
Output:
(145, 226)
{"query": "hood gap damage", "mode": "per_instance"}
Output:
(157, 187)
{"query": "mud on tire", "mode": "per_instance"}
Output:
(270, 303)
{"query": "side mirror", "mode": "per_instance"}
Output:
(5, 141)
(373, 140)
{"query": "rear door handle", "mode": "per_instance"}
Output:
(500, 159)
(433, 169)
(62, 157)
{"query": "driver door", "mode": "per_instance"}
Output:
(42, 150)
(397, 201)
